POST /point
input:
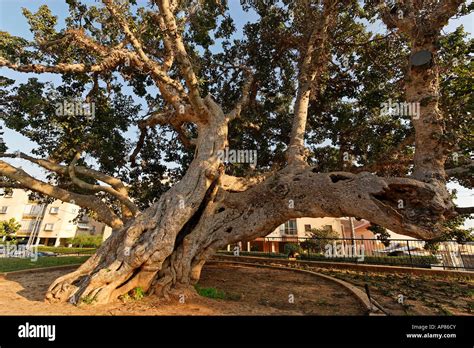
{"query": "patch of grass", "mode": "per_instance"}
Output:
(217, 294)
(64, 250)
(87, 299)
(137, 293)
(11, 264)
(211, 293)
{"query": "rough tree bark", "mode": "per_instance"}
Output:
(163, 248)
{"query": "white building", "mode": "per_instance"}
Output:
(49, 224)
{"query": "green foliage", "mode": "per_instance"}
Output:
(381, 233)
(18, 264)
(417, 261)
(8, 229)
(85, 241)
(254, 248)
(88, 299)
(210, 292)
(292, 248)
(318, 239)
(455, 231)
(256, 253)
(137, 293)
(65, 250)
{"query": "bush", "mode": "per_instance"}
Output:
(319, 239)
(137, 293)
(418, 261)
(85, 241)
(8, 229)
(256, 254)
(210, 292)
(291, 249)
(254, 248)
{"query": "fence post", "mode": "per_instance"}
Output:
(409, 253)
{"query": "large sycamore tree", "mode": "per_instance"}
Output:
(304, 84)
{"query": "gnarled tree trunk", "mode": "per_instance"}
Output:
(166, 246)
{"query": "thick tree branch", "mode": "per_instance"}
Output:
(107, 64)
(116, 185)
(313, 64)
(239, 184)
(403, 205)
(244, 99)
(465, 210)
(121, 195)
(464, 169)
(164, 82)
(182, 58)
(174, 119)
(422, 80)
(104, 213)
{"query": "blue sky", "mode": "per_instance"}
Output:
(12, 21)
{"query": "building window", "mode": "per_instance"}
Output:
(32, 210)
(54, 210)
(328, 228)
(3, 210)
(289, 227)
(48, 227)
(8, 194)
(27, 225)
(307, 228)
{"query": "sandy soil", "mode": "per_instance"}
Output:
(249, 291)
(422, 295)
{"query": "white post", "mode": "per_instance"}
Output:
(273, 247)
(228, 247)
(248, 246)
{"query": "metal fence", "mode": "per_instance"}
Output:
(395, 252)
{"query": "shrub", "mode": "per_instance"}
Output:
(256, 254)
(210, 292)
(254, 248)
(291, 249)
(418, 261)
(85, 241)
(137, 293)
(8, 229)
(318, 240)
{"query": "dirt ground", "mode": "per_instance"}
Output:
(408, 294)
(248, 291)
